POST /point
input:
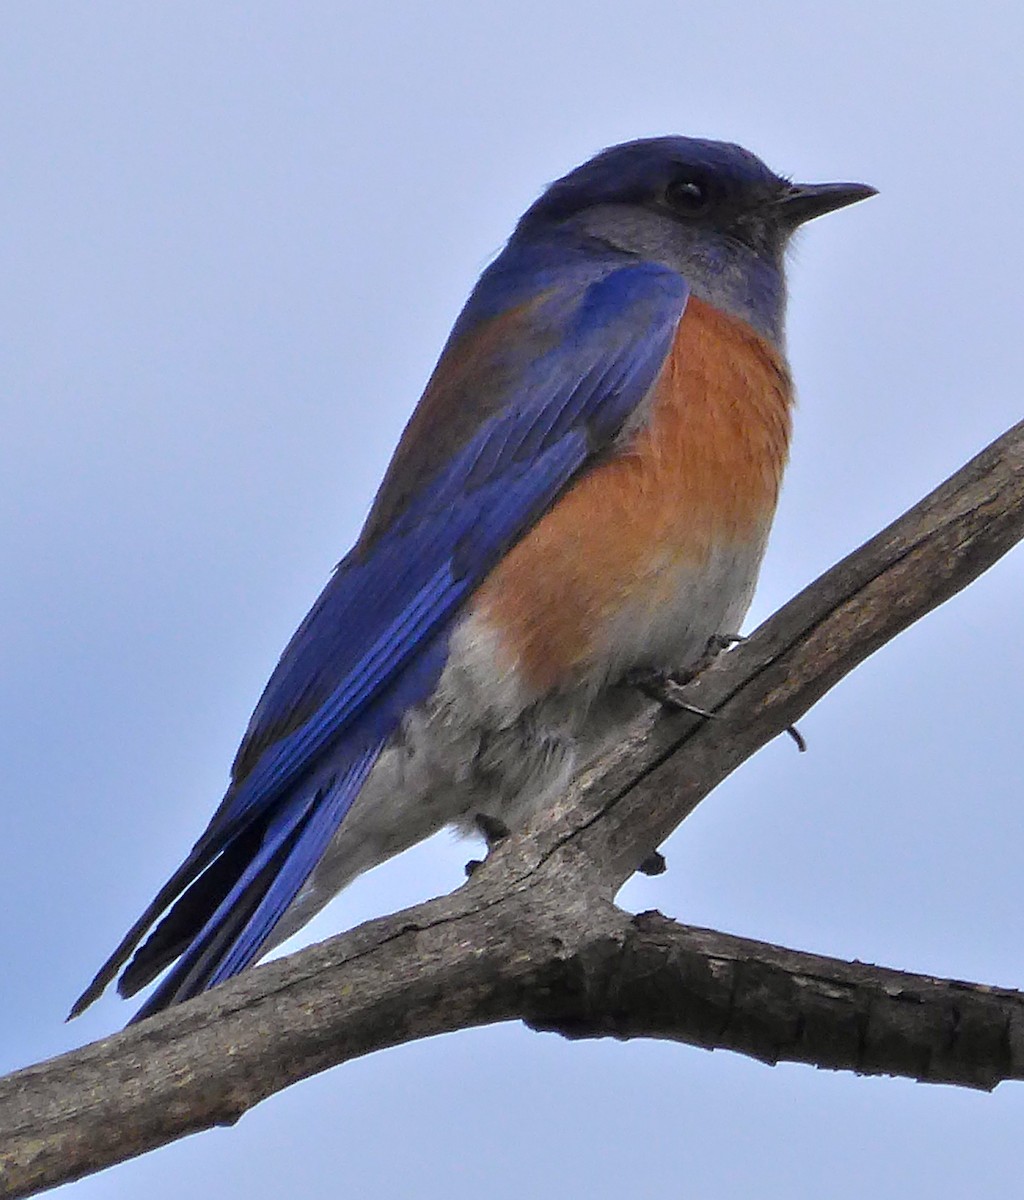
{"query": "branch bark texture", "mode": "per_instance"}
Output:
(535, 935)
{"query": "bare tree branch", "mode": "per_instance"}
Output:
(710, 989)
(535, 935)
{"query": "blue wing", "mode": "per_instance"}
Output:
(541, 372)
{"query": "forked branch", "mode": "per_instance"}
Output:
(535, 934)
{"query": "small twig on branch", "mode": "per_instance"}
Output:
(534, 934)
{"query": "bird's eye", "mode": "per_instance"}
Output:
(688, 196)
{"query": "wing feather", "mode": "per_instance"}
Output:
(375, 641)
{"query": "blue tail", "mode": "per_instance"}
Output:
(234, 933)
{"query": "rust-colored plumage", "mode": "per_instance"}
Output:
(470, 383)
(702, 472)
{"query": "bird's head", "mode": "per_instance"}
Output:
(691, 188)
(711, 210)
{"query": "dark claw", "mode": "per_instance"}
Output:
(652, 683)
(653, 864)
(797, 737)
(667, 689)
(723, 641)
(494, 829)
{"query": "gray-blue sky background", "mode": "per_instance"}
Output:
(235, 236)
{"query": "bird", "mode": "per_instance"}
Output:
(582, 495)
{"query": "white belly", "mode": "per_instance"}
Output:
(485, 743)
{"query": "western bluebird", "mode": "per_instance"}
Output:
(583, 492)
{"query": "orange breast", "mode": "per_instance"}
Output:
(703, 471)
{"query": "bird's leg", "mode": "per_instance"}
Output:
(665, 686)
(493, 830)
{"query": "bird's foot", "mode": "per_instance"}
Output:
(667, 685)
(667, 688)
(725, 641)
(653, 864)
(718, 642)
(493, 830)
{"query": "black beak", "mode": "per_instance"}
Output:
(803, 201)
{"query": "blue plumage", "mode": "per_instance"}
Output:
(374, 643)
(557, 348)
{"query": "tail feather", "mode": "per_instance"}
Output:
(187, 977)
(216, 912)
(235, 932)
(202, 855)
(190, 912)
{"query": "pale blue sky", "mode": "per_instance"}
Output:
(235, 236)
